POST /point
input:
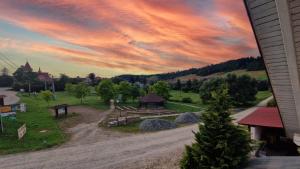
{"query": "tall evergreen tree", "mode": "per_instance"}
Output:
(219, 143)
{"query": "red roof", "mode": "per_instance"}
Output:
(265, 116)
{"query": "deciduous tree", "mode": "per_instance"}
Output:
(161, 88)
(106, 90)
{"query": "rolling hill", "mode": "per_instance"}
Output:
(252, 66)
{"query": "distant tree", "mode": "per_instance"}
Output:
(125, 90)
(106, 90)
(219, 144)
(178, 85)
(208, 87)
(195, 86)
(5, 79)
(47, 96)
(188, 85)
(135, 92)
(161, 88)
(242, 89)
(92, 77)
(142, 92)
(69, 88)
(81, 90)
(61, 82)
(263, 85)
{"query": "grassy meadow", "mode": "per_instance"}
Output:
(42, 129)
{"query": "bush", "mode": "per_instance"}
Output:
(156, 124)
(186, 118)
(263, 85)
(187, 100)
(272, 103)
(47, 96)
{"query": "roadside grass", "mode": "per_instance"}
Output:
(42, 129)
(262, 95)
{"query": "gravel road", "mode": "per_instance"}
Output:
(132, 152)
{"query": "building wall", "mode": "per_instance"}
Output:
(273, 24)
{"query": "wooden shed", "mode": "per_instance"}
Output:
(151, 100)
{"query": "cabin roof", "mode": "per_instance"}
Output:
(152, 98)
(264, 116)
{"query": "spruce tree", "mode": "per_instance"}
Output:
(219, 143)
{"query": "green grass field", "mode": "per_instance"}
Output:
(258, 75)
(37, 119)
(177, 96)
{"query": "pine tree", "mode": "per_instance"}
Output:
(219, 143)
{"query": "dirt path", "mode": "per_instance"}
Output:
(82, 126)
(153, 150)
(11, 97)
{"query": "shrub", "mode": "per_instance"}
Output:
(272, 103)
(187, 100)
(47, 96)
(219, 143)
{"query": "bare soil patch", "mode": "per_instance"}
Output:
(81, 125)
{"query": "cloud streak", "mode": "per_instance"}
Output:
(139, 36)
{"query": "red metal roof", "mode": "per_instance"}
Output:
(265, 116)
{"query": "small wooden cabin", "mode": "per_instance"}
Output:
(151, 100)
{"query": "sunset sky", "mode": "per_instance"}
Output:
(112, 37)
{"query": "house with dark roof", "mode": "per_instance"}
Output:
(151, 100)
(43, 76)
(27, 67)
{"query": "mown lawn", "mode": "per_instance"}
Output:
(42, 129)
(179, 95)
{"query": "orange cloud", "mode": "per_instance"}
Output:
(137, 36)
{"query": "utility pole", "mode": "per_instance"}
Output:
(29, 88)
(45, 84)
(2, 128)
(53, 87)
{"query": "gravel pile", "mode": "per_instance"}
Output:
(156, 124)
(186, 118)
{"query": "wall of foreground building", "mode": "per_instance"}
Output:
(276, 24)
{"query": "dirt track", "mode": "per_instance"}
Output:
(152, 150)
(127, 152)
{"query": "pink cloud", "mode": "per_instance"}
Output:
(146, 36)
